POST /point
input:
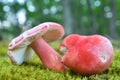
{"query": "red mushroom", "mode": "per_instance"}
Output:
(19, 49)
(87, 55)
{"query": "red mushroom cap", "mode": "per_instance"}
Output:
(49, 31)
(87, 55)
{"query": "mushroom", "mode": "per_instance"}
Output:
(92, 54)
(20, 48)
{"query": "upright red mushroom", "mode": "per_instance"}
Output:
(87, 55)
(19, 49)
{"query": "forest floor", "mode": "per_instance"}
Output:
(34, 70)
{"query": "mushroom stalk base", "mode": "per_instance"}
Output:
(49, 57)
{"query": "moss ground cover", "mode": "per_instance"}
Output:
(3, 49)
(34, 70)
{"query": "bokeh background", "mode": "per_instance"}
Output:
(83, 17)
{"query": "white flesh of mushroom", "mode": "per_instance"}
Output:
(21, 54)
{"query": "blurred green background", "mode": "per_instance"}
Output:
(77, 16)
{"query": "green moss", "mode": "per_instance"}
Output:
(34, 70)
(3, 49)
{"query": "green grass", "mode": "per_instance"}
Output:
(34, 70)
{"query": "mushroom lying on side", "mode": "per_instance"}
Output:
(20, 48)
(87, 55)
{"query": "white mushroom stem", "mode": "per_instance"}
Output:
(20, 55)
(49, 57)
